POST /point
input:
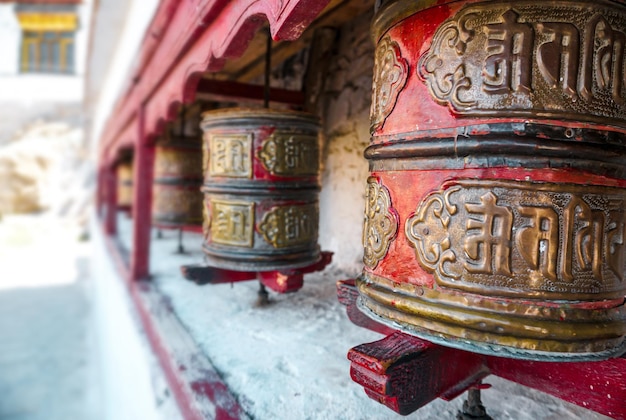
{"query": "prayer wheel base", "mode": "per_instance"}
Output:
(405, 372)
(284, 280)
(260, 263)
(504, 327)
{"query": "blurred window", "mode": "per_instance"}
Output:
(47, 42)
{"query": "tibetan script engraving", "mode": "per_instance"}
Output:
(230, 155)
(232, 222)
(289, 226)
(381, 223)
(521, 237)
(390, 74)
(289, 154)
(529, 58)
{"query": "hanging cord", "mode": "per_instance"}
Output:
(268, 69)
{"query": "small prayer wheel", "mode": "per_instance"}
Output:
(261, 189)
(495, 216)
(125, 185)
(177, 199)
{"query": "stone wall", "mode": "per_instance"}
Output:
(344, 107)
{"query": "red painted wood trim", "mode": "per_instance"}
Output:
(194, 382)
(598, 386)
(188, 38)
(233, 91)
(199, 391)
(143, 174)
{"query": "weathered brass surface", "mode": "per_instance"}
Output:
(518, 328)
(548, 241)
(390, 73)
(559, 59)
(230, 155)
(381, 223)
(232, 222)
(261, 189)
(287, 226)
(498, 149)
(290, 154)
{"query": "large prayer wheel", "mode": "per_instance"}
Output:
(177, 201)
(124, 185)
(261, 189)
(495, 218)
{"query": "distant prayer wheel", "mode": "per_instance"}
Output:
(495, 217)
(124, 185)
(177, 199)
(261, 189)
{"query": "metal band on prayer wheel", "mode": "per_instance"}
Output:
(124, 185)
(261, 189)
(178, 176)
(495, 218)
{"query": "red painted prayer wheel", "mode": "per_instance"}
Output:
(124, 185)
(495, 217)
(177, 199)
(261, 189)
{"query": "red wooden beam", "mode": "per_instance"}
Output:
(198, 389)
(188, 38)
(218, 90)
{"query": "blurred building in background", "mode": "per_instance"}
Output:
(44, 47)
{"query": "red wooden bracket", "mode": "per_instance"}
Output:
(285, 281)
(347, 294)
(405, 373)
(229, 91)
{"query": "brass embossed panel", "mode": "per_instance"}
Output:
(290, 154)
(390, 73)
(232, 222)
(381, 223)
(522, 237)
(288, 226)
(563, 59)
(230, 155)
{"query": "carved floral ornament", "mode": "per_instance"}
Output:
(381, 223)
(530, 57)
(390, 74)
(522, 236)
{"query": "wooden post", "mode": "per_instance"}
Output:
(142, 202)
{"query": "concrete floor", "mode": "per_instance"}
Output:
(47, 360)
